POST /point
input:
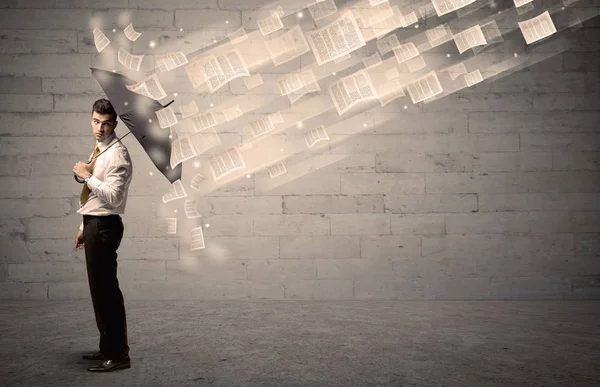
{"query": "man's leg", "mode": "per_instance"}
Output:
(111, 307)
(91, 241)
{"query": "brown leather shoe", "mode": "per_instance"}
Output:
(112, 365)
(95, 356)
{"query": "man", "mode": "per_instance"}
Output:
(103, 198)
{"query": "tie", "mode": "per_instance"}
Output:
(85, 192)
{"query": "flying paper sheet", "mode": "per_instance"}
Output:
(336, 40)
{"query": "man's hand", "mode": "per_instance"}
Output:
(82, 169)
(79, 240)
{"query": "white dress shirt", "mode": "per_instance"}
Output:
(110, 180)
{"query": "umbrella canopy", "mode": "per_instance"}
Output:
(138, 113)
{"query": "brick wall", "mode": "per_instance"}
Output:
(488, 193)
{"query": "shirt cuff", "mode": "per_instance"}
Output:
(81, 226)
(93, 182)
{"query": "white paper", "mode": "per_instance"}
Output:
(197, 239)
(277, 170)
(182, 149)
(342, 58)
(171, 225)
(337, 39)
(538, 28)
(253, 81)
(132, 62)
(315, 135)
(443, 7)
(203, 121)
(226, 163)
(368, 17)
(100, 40)
(189, 109)
(473, 78)
(387, 44)
(270, 24)
(457, 70)
(196, 181)
(377, 2)
(405, 52)
(233, 112)
(392, 73)
(416, 64)
(190, 209)
(297, 81)
(206, 140)
(288, 46)
(221, 69)
(520, 3)
(524, 9)
(172, 60)
(469, 38)
(166, 117)
(322, 9)
(176, 192)
(238, 36)
(427, 11)
(439, 35)
(130, 33)
(410, 18)
(372, 60)
(265, 124)
(149, 87)
(351, 90)
(391, 90)
(425, 87)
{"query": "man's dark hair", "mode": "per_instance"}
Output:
(103, 106)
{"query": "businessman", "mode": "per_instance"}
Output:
(102, 201)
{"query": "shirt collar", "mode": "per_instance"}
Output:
(107, 141)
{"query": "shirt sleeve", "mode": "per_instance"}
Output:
(113, 187)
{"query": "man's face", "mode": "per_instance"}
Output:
(102, 125)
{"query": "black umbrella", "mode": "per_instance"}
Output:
(138, 112)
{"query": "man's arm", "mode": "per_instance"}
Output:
(118, 176)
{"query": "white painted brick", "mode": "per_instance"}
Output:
(29, 208)
(360, 224)
(141, 18)
(280, 270)
(390, 246)
(351, 268)
(333, 204)
(209, 290)
(248, 4)
(316, 183)
(59, 227)
(550, 222)
(291, 224)
(586, 221)
(69, 290)
(55, 250)
(12, 226)
(19, 85)
(587, 244)
(580, 182)
(576, 161)
(493, 142)
(557, 266)
(559, 142)
(24, 4)
(512, 161)
(382, 183)
(400, 143)
(319, 247)
(430, 203)
(46, 271)
(23, 291)
(538, 202)
(42, 124)
(26, 103)
(460, 246)
(75, 103)
(424, 162)
(487, 223)
(25, 187)
(387, 289)
(239, 247)
(250, 19)
(444, 183)
(418, 123)
(177, 4)
(534, 122)
(91, 4)
(46, 65)
(479, 102)
(141, 270)
(72, 85)
(195, 270)
(566, 101)
(411, 267)
(34, 42)
(536, 82)
(14, 248)
(45, 19)
(421, 224)
(320, 289)
(242, 205)
(340, 163)
(509, 266)
(533, 288)
(15, 166)
(207, 18)
(148, 249)
(241, 187)
(229, 225)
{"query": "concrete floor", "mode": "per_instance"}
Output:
(310, 343)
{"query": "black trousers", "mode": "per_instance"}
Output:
(102, 236)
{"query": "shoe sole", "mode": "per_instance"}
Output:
(120, 367)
